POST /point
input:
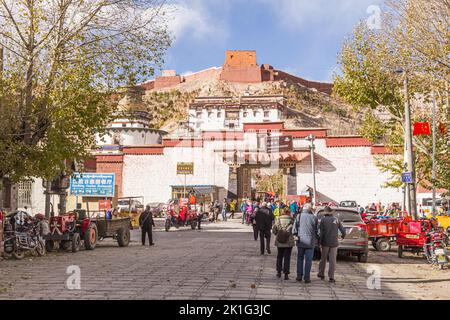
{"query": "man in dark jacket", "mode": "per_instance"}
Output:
(329, 228)
(264, 220)
(146, 222)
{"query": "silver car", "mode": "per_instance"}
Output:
(356, 242)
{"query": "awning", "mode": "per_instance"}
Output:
(256, 157)
(198, 189)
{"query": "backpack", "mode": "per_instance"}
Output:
(282, 234)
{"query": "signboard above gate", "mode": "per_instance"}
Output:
(185, 168)
(280, 144)
(92, 184)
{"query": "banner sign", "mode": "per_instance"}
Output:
(407, 177)
(279, 144)
(92, 184)
(185, 168)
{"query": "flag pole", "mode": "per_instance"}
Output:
(433, 170)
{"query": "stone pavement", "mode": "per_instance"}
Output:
(221, 261)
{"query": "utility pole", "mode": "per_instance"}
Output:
(433, 169)
(311, 138)
(409, 150)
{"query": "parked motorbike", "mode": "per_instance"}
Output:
(22, 234)
(435, 249)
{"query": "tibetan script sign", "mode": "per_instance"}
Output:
(92, 184)
(185, 168)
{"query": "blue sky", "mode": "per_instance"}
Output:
(302, 37)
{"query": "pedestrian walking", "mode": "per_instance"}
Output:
(284, 241)
(243, 210)
(200, 216)
(249, 212)
(264, 220)
(146, 223)
(224, 209)
(216, 210)
(329, 228)
(252, 221)
(305, 228)
(232, 208)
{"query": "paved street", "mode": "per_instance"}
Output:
(221, 261)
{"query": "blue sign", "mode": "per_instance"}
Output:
(407, 177)
(92, 184)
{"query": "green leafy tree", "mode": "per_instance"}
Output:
(414, 38)
(61, 61)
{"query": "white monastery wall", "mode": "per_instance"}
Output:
(345, 173)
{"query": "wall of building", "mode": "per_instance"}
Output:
(131, 137)
(152, 176)
(208, 120)
(345, 173)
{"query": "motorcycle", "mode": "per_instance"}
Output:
(435, 249)
(170, 220)
(23, 234)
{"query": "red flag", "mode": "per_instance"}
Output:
(421, 128)
(443, 128)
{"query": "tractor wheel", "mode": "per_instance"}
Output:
(90, 237)
(64, 245)
(123, 237)
(18, 254)
(40, 248)
(49, 245)
(76, 242)
(362, 257)
(400, 251)
(383, 245)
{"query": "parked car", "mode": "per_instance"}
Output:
(348, 204)
(129, 205)
(156, 208)
(356, 242)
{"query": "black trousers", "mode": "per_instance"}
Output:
(284, 255)
(255, 232)
(264, 235)
(146, 231)
(199, 220)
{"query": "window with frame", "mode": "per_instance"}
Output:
(24, 190)
(266, 114)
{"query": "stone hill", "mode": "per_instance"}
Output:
(167, 97)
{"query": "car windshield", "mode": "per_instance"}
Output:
(345, 216)
(123, 202)
(348, 204)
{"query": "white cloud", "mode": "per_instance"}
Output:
(191, 18)
(333, 15)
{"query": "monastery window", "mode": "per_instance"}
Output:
(24, 194)
(199, 114)
(266, 114)
(209, 114)
(219, 114)
(245, 114)
(255, 113)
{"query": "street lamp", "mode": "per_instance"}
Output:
(411, 187)
(311, 139)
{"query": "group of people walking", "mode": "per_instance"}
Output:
(301, 228)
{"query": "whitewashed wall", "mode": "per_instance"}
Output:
(152, 176)
(209, 120)
(345, 174)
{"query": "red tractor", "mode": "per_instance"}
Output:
(69, 229)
